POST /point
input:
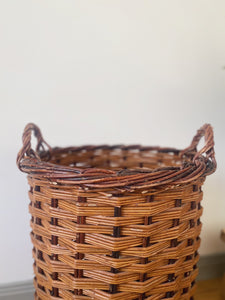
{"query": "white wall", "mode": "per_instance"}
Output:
(116, 71)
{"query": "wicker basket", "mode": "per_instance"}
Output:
(115, 222)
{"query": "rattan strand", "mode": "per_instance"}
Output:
(115, 222)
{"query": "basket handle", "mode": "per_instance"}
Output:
(208, 149)
(26, 148)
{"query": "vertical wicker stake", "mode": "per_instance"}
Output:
(146, 242)
(54, 221)
(115, 254)
(80, 239)
(38, 237)
(174, 243)
(191, 241)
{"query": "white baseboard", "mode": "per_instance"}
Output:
(209, 267)
(23, 290)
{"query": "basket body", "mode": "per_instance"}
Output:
(138, 246)
(128, 236)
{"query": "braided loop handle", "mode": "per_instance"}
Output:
(26, 148)
(208, 149)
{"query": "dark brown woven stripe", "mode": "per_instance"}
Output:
(146, 242)
(38, 237)
(174, 243)
(54, 241)
(115, 254)
(78, 273)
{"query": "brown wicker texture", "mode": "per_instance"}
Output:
(115, 222)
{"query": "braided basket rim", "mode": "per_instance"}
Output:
(194, 163)
(130, 177)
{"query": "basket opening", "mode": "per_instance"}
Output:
(116, 158)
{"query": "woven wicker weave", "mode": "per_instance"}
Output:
(115, 222)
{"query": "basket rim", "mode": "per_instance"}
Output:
(130, 178)
(195, 164)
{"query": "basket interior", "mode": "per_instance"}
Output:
(116, 158)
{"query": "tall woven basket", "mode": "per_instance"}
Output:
(115, 222)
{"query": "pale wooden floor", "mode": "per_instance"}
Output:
(210, 290)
